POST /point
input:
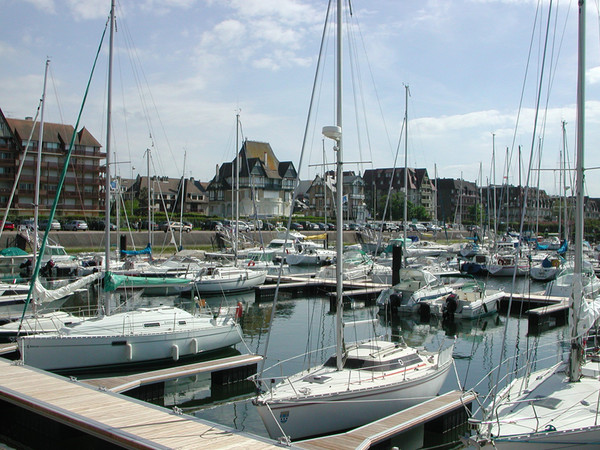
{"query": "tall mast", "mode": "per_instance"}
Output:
(182, 201)
(108, 137)
(335, 133)
(36, 202)
(562, 225)
(576, 299)
(494, 189)
(405, 212)
(340, 187)
(148, 196)
(237, 186)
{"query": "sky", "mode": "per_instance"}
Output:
(183, 70)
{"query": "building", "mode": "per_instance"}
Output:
(266, 185)
(320, 196)
(455, 200)
(84, 182)
(379, 182)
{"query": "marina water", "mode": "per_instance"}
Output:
(305, 324)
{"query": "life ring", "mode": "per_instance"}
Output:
(251, 263)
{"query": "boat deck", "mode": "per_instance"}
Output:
(117, 419)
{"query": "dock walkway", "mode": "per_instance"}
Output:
(119, 420)
(380, 430)
(127, 382)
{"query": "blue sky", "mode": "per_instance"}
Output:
(184, 67)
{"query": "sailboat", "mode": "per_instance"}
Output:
(137, 337)
(363, 381)
(557, 407)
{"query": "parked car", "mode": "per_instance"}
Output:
(417, 227)
(390, 226)
(76, 225)
(175, 226)
(241, 225)
(102, 225)
(55, 225)
(296, 226)
(144, 225)
(322, 226)
(9, 226)
(27, 223)
(213, 225)
(433, 227)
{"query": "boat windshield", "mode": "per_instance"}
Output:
(375, 365)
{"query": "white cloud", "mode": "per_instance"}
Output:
(44, 5)
(288, 11)
(6, 49)
(593, 75)
(89, 9)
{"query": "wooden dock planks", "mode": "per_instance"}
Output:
(124, 383)
(120, 420)
(370, 434)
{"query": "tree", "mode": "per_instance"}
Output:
(395, 208)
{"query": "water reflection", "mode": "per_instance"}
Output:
(306, 325)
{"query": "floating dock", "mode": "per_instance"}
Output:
(225, 370)
(40, 405)
(543, 312)
(293, 286)
(447, 408)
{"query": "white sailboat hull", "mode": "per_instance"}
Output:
(338, 411)
(234, 281)
(141, 338)
(546, 411)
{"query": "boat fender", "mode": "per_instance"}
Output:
(194, 345)
(485, 308)
(129, 350)
(175, 352)
(239, 310)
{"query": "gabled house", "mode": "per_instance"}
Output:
(83, 188)
(195, 198)
(265, 184)
(321, 196)
(379, 181)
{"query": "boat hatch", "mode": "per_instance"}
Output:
(547, 402)
(316, 379)
(151, 324)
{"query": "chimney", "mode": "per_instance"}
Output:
(217, 171)
(265, 158)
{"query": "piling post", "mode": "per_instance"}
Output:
(396, 264)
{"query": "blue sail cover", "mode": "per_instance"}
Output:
(144, 251)
(563, 247)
